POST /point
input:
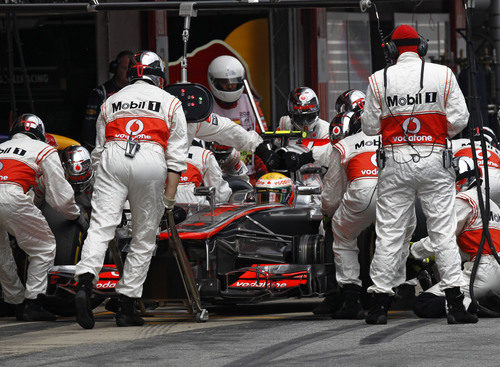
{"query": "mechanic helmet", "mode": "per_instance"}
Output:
(339, 126)
(275, 187)
(465, 173)
(490, 136)
(147, 66)
(29, 124)
(350, 100)
(225, 78)
(77, 166)
(303, 107)
(221, 152)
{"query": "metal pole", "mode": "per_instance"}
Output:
(219, 5)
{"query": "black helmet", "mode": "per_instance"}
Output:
(77, 166)
(29, 124)
(490, 136)
(147, 66)
(303, 107)
(465, 173)
(344, 124)
(354, 123)
(350, 100)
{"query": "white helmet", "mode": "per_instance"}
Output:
(225, 78)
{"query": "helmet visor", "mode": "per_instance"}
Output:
(304, 119)
(271, 197)
(228, 84)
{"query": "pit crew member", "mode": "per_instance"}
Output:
(118, 68)
(431, 303)
(23, 159)
(415, 106)
(141, 142)
(202, 169)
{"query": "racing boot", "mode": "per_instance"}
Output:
(34, 311)
(456, 309)
(127, 315)
(351, 308)
(84, 314)
(331, 303)
(377, 315)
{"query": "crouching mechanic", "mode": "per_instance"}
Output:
(202, 169)
(461, 148)
(24, 159)
(431, 303)
(414, 164)
(141, 142)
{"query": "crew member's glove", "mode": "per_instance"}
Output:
(168, 202)
(270, 158)
(294, 161)
(327, 222)
(83, 221)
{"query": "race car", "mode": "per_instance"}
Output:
(239, 252)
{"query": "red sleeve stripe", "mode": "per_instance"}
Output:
(171, 110)
(376, 90)
(42, 151)
(39, 159)
(447, 85)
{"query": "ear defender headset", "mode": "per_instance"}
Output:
(113, 65)
(392, 45)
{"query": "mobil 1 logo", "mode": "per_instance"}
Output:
(149, 105)
(409, 100)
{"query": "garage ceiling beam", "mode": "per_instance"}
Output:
(220, 5)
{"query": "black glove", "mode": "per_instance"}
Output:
(294, 161)
(270, 158)
(83, 221)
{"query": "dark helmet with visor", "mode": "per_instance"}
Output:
(303, 107)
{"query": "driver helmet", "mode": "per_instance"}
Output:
(30, 125)
(77, 167)
(350, 100)
(225, 78)
(303, 108)
(465, 173)
(275, 188)
(147, 66)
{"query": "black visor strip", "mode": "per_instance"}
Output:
(407, 42)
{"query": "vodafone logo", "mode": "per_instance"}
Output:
(134, 127)
(336, 130)
(412, 125)
(106, 285)
(1, 166)
(373, 159)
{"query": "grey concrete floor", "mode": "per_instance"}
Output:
(280, 333)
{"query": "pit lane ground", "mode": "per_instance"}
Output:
(278, 333)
